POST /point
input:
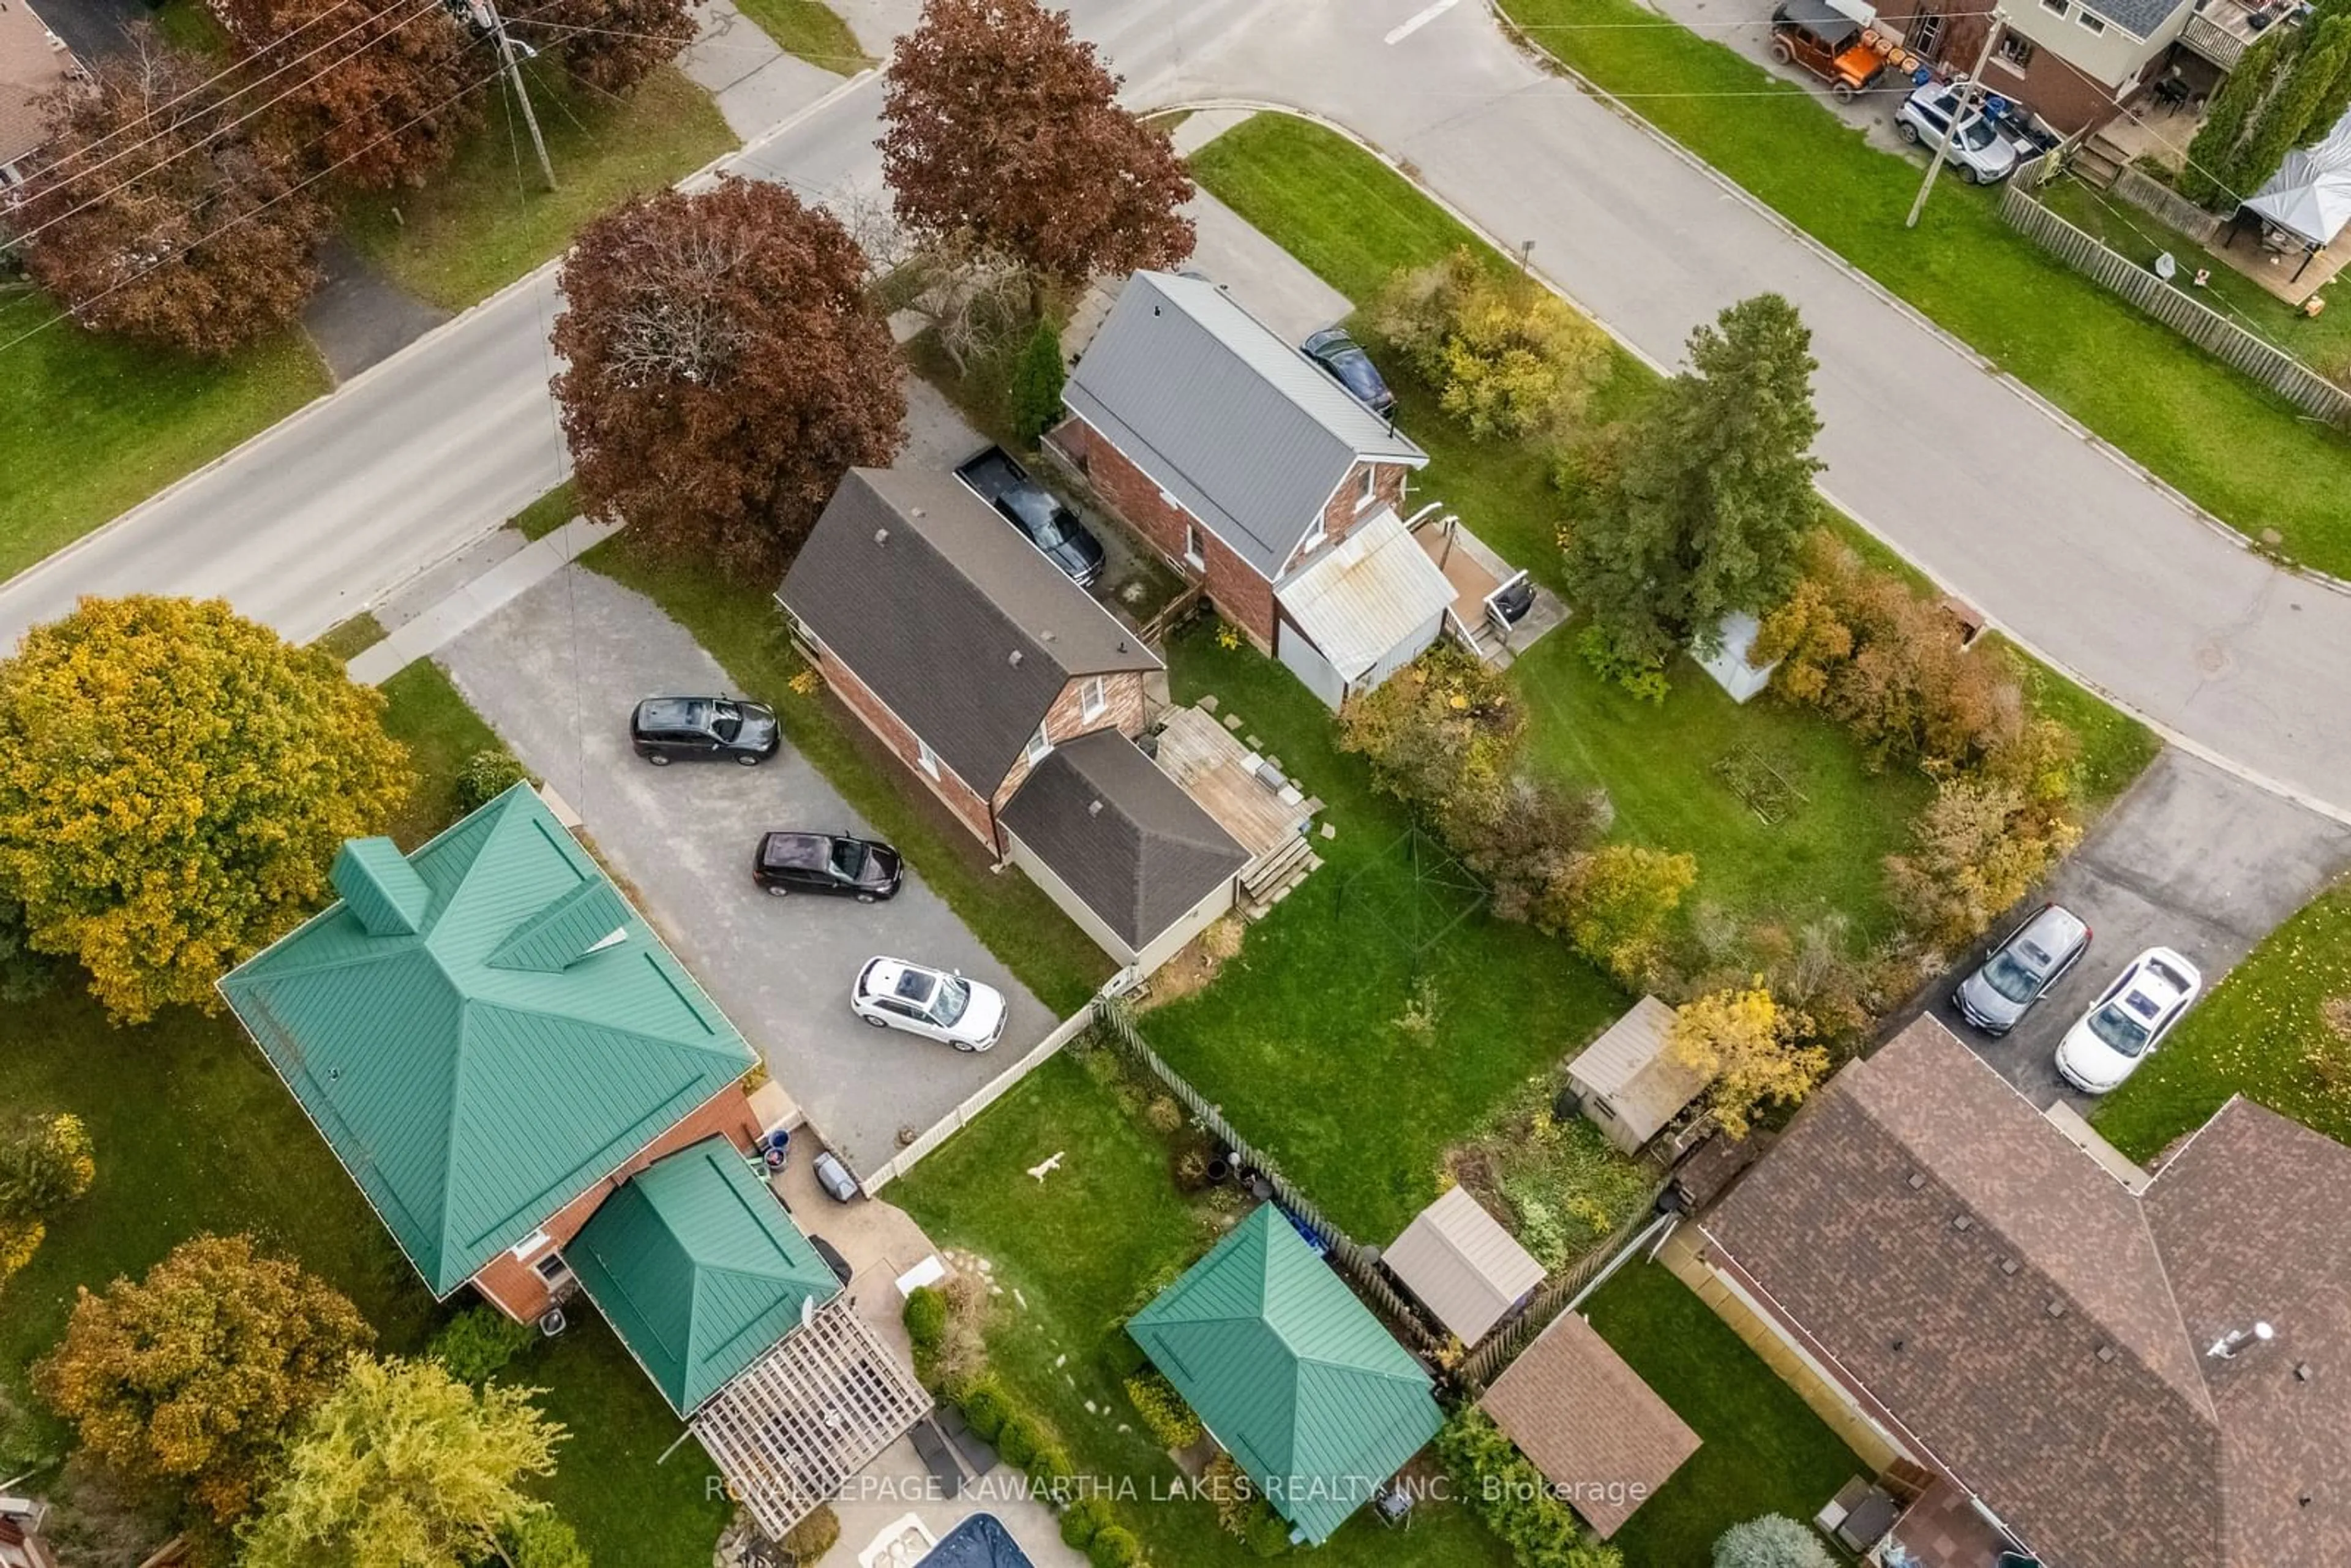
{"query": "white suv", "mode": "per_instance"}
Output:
(891, 993)
(1980, 153)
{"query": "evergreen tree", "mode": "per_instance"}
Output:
(1712, 497)
(1034, 402)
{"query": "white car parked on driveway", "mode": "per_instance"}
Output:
(892, 993)
(2127, 1021)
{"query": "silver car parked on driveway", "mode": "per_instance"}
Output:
(1980, 153)
(2020, 970)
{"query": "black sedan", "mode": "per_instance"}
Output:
(1040, 514)
(704, 729)
(1347, 364)
(827, 862)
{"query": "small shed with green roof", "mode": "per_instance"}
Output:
(698, 1270)
(1291, 1372)
(481, 1030)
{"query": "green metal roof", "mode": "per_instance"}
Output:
(1289, 1372)
(482, 1051)
(698, 1270)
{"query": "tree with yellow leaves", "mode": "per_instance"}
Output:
(174, 781)
(1752, 1048)
(45, 1164)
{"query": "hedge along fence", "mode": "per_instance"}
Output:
(1359, 1262)
(2271, 366)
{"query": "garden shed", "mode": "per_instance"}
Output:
(1599, 1436)
(1291, 1374)
(1462, 1265)
(1628, 1081)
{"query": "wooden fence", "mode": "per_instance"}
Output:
(1360, 1262)
(1501, 1345)
(995, 1089)
(2164, 205)
(2271, 366)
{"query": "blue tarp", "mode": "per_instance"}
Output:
(979, 1542)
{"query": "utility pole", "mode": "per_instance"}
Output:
(1959, 90)
(487, 19)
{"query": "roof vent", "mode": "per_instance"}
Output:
(881, 536)
(2226, 1347)
(1047, 634)
(1899, 1345)
(1917, 1180)
(1015, 660)
(1963, 1224)
(379, 887)
(1093, 809)
(2007, 1265)
(2056, 1308)
(2304, 1372)
(2105, 1353)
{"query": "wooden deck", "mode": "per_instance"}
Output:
(1209, 761)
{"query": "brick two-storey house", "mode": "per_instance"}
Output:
(1014, 697)
(1256, 474)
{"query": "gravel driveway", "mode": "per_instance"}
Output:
(556, 673)
(2192, 859)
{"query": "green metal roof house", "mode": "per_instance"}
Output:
(483, 1030)
(1291, 1372)
(698, 1270)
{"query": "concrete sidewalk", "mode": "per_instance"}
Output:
(437, 619)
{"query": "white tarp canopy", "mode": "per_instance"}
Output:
(2311, 193)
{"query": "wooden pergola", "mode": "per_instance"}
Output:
(797, 1423)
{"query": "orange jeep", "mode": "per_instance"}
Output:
(1827, 43)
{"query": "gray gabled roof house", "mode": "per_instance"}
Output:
(1257, 475)
(1014, 698)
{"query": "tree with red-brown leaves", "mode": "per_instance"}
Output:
(725, 369)
(159, 216)
(377, 92)
(1003, 126)
(608, 44)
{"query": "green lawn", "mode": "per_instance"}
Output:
(1298, 1038)
(812, 31)
(194, 1133)
(94, 425)
(484, 221)
(547, 514)
(2185, 415)
(1077, 1248)
(348, 639)
(1762, 1449)
(2253, 1036)
(744, 630)
(1656, 762)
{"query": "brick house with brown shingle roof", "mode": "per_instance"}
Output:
(2001, 1310)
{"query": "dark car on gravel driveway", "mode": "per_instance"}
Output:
(704, 729)
(1042, 518)
(828, 863)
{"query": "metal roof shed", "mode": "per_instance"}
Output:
(1462, 1265)
(1629, 1082)
(1599, 1433)
(1291, 1372)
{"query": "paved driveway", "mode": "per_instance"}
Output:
(556, 673)
(2192, 859)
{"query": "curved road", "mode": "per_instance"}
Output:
(2073, 551)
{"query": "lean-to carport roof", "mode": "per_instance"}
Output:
(1242, 428)
(1289, 1372)
(481, 1030)
(698, 1269)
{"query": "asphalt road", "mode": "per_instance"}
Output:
(556, 673)
(2192, 859)
(2068, 549)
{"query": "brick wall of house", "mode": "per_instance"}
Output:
(514, 1286)
(969, 806)
(2067, 98)
(1241, 594)
(1066, 720)
(1347, 508)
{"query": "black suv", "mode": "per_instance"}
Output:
(827, 862)
(1040, 514)
(701, 729)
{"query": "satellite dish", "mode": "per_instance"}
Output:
(2165, 268)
